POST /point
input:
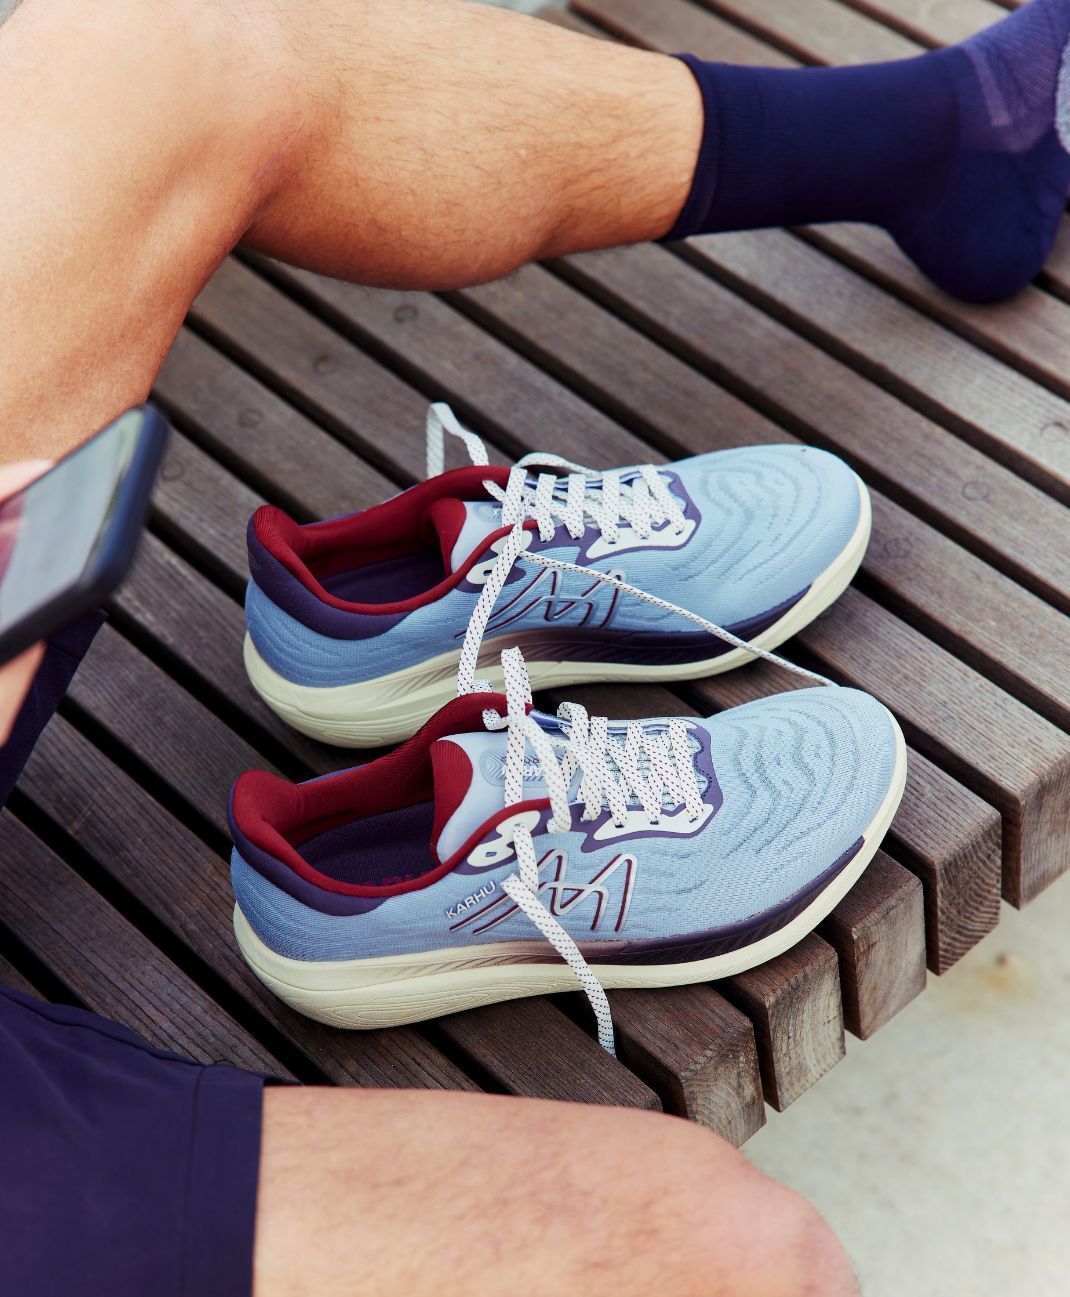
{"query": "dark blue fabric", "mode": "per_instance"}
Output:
(955, 153)
(126, 1171)
(62, 658)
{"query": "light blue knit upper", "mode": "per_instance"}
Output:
(802, 775)
(771, 520)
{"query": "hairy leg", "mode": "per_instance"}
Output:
(463, 141)
(421, 143)
(445, 1194)
(136, 140)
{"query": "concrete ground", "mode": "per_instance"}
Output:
(939, 1150)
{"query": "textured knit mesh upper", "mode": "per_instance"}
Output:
(802, 776)
(771, 520)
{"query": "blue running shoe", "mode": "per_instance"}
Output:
(357, 626)
(503, 852)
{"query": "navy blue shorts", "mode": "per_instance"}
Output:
(125, 1171)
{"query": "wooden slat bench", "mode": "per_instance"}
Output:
(311, 394)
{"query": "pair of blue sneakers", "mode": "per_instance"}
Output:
(501, 851)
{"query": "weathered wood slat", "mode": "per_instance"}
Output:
(178, 738)
(381, 417)
(795, 1005)
(999, 410)
(668, 26)
(873, 932)
(932, 22)
(107, 963)
(192, 620)
(273, 446)
(698, 1052)
(1009, 755)
(799, 29)
(444, 353)
(1031, 332)
(988, 509)
(184, 504)
(535, 1050)
(185, 885)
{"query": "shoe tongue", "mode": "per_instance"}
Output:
(469, 779)
(462, 526)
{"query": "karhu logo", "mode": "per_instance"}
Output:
(565, 895)
(488, 889)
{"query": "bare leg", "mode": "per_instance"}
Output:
(420, 143)
(443, 1195)
(469, 141)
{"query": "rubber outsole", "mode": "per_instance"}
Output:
(392, 707)
(362, 994)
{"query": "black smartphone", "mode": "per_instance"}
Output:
(69, 537)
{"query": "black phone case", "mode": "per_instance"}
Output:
(113, 560)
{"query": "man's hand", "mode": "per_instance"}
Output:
(17, 675)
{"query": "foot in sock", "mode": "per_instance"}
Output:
(963, 154)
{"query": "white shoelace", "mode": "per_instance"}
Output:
(647, 767)
(603, 499)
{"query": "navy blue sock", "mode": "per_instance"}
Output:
(963, 154)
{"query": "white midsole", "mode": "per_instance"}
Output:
(392, 707)
(395, 989)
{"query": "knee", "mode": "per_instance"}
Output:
(737, 1233)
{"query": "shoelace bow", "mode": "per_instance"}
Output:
(645, 767)
(587, 496)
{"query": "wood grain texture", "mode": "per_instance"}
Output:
(804, 29)
(1000, 411)
(981, 504)
(107, 963)
(932, 22)
(348, 393)
(529, 1047)
(878, 932)
(697, 1052)
(501, 393)
(169, 871)
(277, 450)
(795, 1005)
(177, 737)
